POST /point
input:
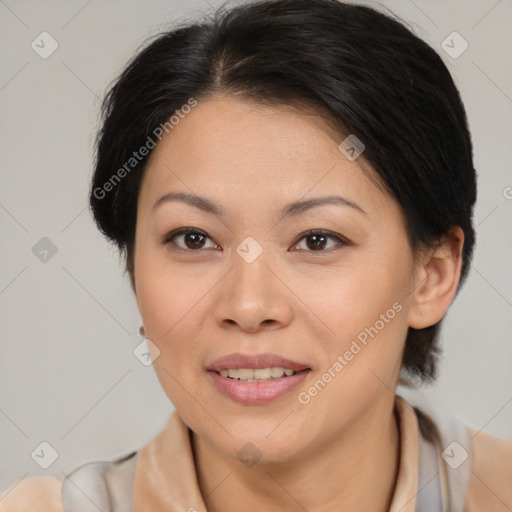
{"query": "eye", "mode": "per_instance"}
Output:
(191, 239)
(318, 240)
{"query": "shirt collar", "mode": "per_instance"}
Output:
(166, 478)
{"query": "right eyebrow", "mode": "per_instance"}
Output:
(296, 208)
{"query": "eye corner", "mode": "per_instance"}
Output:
(341, 241)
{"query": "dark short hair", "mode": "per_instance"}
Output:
(364, 71)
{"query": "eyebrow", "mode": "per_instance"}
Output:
(289, 210)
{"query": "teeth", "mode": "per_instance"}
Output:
(262, 373)
(245, 373)
(276, 372)
(258, 374)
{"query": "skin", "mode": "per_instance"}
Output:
(297, 299)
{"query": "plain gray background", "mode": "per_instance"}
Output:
(69, 325)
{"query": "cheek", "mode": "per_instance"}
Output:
(173, 305)
(168, 317)
(164, 294)
(362, 359)
(166, 305)
(366, 307)
(359, 297)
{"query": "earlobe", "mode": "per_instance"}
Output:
(437, 278)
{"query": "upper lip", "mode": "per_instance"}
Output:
(265, 360)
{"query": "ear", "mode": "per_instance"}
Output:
(436, 279)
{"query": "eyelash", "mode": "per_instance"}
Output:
(319, 232)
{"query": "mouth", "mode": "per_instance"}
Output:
(255, 361)
(256, 379)
(259, 374)
(257, 366)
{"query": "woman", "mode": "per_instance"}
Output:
(292, 186)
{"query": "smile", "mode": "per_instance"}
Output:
(256, 391)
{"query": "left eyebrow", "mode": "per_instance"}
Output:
(301, 206)
(292, 209)
(199, 202)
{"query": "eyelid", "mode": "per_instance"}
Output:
(342, 241)
(184, 231)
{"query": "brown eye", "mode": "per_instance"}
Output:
(318, 241)
(189, 239)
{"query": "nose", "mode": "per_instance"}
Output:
(253, 297)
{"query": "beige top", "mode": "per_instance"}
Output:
(444, 466)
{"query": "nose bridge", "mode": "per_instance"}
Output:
(251, 293)
(251, 278)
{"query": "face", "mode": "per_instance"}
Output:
(325, 287)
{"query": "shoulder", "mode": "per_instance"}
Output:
(41, 492)
(480, 480)
(97, 485)
(105, 485)
(491, 473)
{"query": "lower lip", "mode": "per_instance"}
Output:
(257, 393)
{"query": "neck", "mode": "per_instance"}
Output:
(356, 471)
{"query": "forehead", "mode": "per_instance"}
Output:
(229, 146)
